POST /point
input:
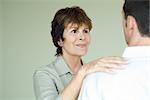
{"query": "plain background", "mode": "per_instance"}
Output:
(25, 40)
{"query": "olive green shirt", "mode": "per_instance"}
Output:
(51, 79)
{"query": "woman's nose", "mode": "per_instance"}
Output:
(81, 36)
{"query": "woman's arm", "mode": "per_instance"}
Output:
(71, 91)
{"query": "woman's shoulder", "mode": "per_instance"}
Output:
(48, 67)
(52, 69)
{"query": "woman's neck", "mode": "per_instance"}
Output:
(73, 62)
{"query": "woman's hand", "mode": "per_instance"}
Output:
(105, 64)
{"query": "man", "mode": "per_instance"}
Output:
(132, 83)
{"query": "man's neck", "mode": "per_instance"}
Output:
(144, 41)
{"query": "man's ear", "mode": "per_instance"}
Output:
(60, 43)
(131, 24)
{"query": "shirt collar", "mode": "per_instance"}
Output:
(137, 51)
(61, 66)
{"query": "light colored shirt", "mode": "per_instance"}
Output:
(131, 83)
(50, 80)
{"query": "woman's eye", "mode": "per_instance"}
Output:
(86, 31)
(74, 31)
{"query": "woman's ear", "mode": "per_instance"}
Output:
(60, 43)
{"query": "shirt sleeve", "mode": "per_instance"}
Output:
(90, 90)
(44, 87)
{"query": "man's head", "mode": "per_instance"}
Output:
(64, 17)
(136, 21)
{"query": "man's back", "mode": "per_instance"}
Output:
(131, 83)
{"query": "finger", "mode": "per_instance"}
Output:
(109, 65)
(116, 62)
(113, 58)
(120, 61)
(97, 68)
(106, 70)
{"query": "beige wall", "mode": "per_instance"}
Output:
(27, 42)
(1, 70)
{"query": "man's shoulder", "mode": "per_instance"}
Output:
(125, 73)
(94, 78)
(134, 71)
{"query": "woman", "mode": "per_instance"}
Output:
(62, 79)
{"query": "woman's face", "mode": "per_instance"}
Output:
(76, 40)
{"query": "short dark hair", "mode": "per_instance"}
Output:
(139, 9)
(62, 18)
